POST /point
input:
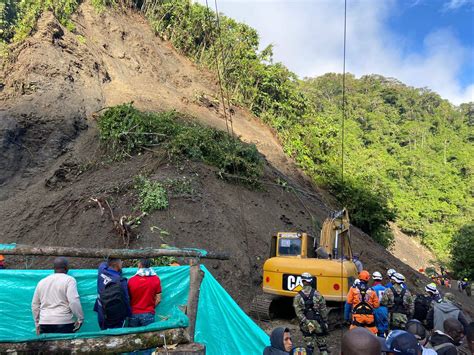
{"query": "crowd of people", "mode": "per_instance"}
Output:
(383, 318)
(120, 302)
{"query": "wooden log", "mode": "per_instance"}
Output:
(195, 279)
(101, 345)
(185, 349)
(21, 249)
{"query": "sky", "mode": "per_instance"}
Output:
(423, 43)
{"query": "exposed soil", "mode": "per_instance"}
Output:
(51, 164)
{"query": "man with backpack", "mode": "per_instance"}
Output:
(363, 301)
(113, 303)
(380, 313)
(423, 302)
(310, 308)
(399, 302)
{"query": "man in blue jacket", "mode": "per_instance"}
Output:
(113, 302)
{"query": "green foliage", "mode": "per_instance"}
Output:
(462, 251)
(18, 18)
(124, 130)
(151, 194)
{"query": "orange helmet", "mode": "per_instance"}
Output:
(1, 257)
(364, 275)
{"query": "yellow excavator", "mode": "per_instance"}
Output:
(329, 262)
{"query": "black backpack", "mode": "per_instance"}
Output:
(113, 302)
(363, 307)
(398, 305)
(422, 306)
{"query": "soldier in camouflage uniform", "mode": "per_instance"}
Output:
(399, 302)
(310, 308)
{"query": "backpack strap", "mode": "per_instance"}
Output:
(442, 346)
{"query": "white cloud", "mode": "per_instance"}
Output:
(308, 38)
(452, 5)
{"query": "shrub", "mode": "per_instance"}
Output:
(151, 194)
(125, 131)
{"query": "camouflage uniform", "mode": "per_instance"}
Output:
(319, 336)
(398, 319)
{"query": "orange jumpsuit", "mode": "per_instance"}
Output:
(363, 320)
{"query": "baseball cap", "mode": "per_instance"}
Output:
(403, 343)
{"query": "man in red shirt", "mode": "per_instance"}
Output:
(145, 294)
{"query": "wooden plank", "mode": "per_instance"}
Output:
(195, 279)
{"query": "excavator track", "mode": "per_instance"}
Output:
(261, 308)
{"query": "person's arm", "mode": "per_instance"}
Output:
(74, 300)
(347, 311)
(322, 308)
(462, 319)
(374, 300)
(299, 309)
(430, 318)
(157, 291)
(409, 301)
(123, 283)
(35, 308)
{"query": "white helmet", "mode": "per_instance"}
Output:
(390, 273)
(377, 276)
(398, 278)
(307, 277)
(431, 288)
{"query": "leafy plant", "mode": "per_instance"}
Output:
(124, 130)
(151, 194)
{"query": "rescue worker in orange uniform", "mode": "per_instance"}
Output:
(363, 301)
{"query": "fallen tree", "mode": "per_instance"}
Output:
(21, 249)
(101, 345)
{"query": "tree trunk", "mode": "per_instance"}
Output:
(195, 279)
(21, 249)
(186, 349)
(105, 344)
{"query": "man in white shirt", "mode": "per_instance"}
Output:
(56, 302)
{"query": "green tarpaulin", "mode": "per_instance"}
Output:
(221, 324)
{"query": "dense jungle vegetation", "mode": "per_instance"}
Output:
(408, 152)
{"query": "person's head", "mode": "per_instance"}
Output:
(431, 289)
(355, 256)
(306, 278)
(115, 263)
(61, 265)
(403, 343)
(470, 336)
(377, 276)
(364, 276)
(281, 339)
(415, 327)
(390, 273)
(360, 341)
(144, 263)
(454, 329)
(398, 278)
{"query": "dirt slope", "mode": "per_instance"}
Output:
(51, 164)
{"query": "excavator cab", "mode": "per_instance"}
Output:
(290, 244)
